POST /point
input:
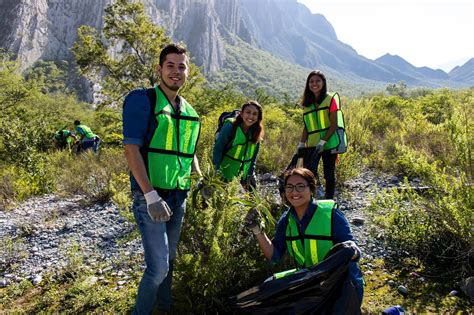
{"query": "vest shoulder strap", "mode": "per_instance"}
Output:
(326, 204)
(151, 94)
(151, 98)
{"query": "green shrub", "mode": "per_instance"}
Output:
(217, 257)
(436, 229)
(91, 175)
(280, 140)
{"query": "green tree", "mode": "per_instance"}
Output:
(399, 89)
(48, 76)
(124, 55)
(13, 89)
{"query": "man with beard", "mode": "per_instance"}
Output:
(161, 131)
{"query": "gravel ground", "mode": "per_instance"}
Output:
(38, 236)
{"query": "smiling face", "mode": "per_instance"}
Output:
(298, 199)
(315, 84)
(249, 115)
(174, 71)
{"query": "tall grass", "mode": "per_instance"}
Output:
(424, 138)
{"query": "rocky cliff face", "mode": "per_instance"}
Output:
(46, 29)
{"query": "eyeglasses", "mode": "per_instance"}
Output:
(299, 187)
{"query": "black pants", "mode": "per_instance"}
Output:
(311, 162)
(329, 168)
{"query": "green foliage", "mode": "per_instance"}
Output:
(217, 257)
(108, 125)
(435, 229)
(97, 178)
(426, 138)
(398, 89)
(13, 250)
(137, 43)
(27, 126)
(273, 156)
(249, 68)
(75, 289)
(120, 190)
(48, 76)
(425, 297)
(13, 89)
(430, 129)
(211, 101)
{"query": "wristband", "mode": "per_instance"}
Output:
(256, 230)
(322, 142)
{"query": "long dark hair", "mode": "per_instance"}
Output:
(308, 96)
(257, 128)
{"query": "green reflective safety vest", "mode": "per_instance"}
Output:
(317, 124)
(238, 158)
(63, 136)
(86, 131)
(171, 150)
(309, 247)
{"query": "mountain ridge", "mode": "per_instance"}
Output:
(285, 28)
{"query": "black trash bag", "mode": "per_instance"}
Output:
(325, 288)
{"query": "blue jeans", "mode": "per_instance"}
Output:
(91, 144)
(159, 240)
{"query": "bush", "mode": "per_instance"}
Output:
(435, 230)
(217, 257)
(91, 175)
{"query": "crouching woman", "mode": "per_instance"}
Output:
(304, 217)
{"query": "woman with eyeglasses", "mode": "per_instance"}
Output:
(307, 217)
(237, 145)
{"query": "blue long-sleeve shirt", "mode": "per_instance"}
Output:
(138, 125)
(341, 232)
(221, 146)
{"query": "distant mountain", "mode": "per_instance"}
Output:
(405, 67)
(464, 73)
(215, 31)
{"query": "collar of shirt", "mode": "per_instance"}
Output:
(178, 104)
(303, 223)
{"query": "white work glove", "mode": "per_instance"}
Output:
(320, 147)
(157, 208)
(253, 221)
(356, 249)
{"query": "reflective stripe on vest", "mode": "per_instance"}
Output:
(238, 158)
(172, 147)
(311, 247)
(317, 122)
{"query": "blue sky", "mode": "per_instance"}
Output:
(432, 33)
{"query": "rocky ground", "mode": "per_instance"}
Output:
(40, 235)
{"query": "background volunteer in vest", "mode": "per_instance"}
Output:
(160, 140)
(89, 140)
(64, 139)
(238, 143)
(320, 123)
(307, 216)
